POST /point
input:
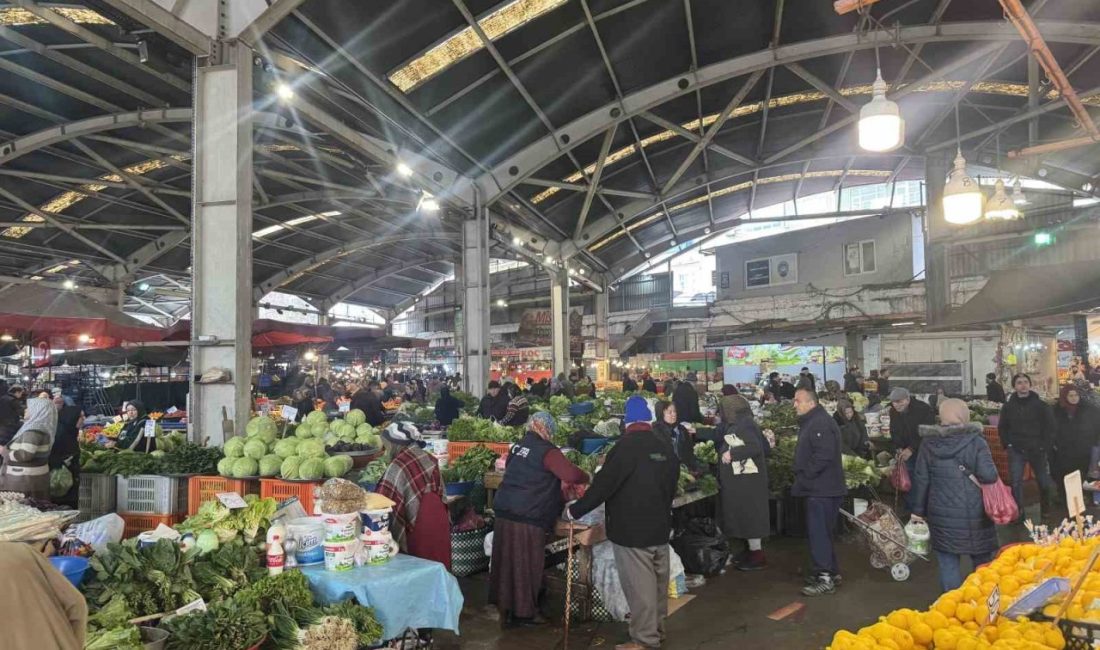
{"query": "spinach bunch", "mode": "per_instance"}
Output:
(226, 625)
(152, 580)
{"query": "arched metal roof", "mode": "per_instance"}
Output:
(603, 129)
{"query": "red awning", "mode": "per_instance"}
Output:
(44, 312)
(267, 333)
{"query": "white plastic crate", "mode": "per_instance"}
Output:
(98, 494)
(157, 495)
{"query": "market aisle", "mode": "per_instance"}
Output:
(733, 608)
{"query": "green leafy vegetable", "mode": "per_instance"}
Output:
(706, 452)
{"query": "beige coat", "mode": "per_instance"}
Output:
(41, 608)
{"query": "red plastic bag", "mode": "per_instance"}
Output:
(899, 478)
(1000, 506)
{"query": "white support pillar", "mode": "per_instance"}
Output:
(221, 241)
(559, 310)
(601, 308)
(474, 330)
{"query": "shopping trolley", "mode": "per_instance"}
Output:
(886, 538)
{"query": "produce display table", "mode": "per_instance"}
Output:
(406, 592)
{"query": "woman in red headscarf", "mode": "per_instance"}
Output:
(1076, 432)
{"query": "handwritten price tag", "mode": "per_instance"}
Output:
(289, 413)
(231, 500)
(150, 428)
(344, 407)
(994, 603)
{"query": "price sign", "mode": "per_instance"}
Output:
(171, 410)
(344, 407)
(150, 428)
(265, 408)
(1075, 495)
(994, 603)
(231, 500)
(289, 413)
(193, 606)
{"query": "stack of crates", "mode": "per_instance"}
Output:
(1000, 455)
(282, 490)
(205, 488)
(145, 501)
(97, 497)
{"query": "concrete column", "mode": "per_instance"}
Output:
(1081, 338)
(559, 311)
(221, 242)
(853, 350)
(475, 302)
(601, 308)
(937, 281)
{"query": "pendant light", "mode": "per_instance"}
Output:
(1018, 193)
(1000, 206)
(881, 127)
(962, 198)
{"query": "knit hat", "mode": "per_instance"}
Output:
(637, 410)
(402, 433)
(899, 394)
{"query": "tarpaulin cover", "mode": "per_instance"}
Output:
(1029, 292)
(149, 356)
(266, 333)
(43, 312)
(404, 592)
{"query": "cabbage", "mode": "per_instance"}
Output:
(316, 416)
(311, 448)
(311, 468)
(269, 465)
(355, 417)
(206, 541)
(261, 426)
(335, 467)
(225, 466)
(345, 430)
(364, 429)
(234, 448)
(289, 468)
(255, 449)
(61, 481)
(245, 467)
(348, 463)
(286, 447)
(320, 428)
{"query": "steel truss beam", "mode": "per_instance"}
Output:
(351, 288)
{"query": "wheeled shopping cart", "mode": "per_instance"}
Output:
(886, 538)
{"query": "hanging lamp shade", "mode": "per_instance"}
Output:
(881, 127)
(1018, 193)
(1000, 206)
(962, 198)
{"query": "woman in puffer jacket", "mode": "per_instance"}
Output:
(944, 496)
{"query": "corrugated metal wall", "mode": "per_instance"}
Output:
(642, 292)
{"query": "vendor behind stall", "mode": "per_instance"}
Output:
(421, 523)
(526, 505)
(26, 459)
(134, 415)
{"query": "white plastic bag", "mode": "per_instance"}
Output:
(97, 533)
(919, 537)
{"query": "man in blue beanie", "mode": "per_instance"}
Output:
(638, 483)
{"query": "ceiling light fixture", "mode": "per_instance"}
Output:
(69, 284)
(962, 198)
(284, 92)
(5, 337)
(404, 169)
(1018, 193)
(1000, 206)
(428, 203)
(83, 338)
(880, 127)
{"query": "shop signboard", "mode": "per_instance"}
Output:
(536, 329)
(742, 363)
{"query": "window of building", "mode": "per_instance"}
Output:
(859, 257)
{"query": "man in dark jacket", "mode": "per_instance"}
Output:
(1026, 429)
(629, 385)
(853, 381)
(775, 387)
(807, 380)
(649, 385)
(907, 415)
(994, 391)
(494, 406)
(638, 483)
(447, 407)
(819, 476)
(11, 413)
(369, 401)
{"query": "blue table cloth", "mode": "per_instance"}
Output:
(404, 592)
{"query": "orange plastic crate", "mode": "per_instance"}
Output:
(282, 490)
(203, 488)
(457, 449)
(136, 523)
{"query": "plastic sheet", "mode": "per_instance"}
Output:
(406, 592)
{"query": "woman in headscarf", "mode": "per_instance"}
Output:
(26, 466)
(687, 402)
(678, 435)
(853, 430)
(527, 504)
(421, 524)
(944, 495)
(41, 608)
(1076, 432)
(447, 407)
(133, 414)
(743, 480)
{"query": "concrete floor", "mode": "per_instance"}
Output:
(731, 610)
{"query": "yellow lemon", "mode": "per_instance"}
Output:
(935, 620)
(991, 633)
(1010, 585)
(971, 593)
(1052, 638)
(964, 612)
(898, 619)
(888, 643)
(988, 587)
(944, 640)
(904, 640)
(922, 633)
(967, 643)
(946, 606)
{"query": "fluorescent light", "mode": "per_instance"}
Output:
(427, 202)
(264, 232)
(881, 128)
(404, 169)
(69, 284)
(331, 213)
(903, 323)
(284, 92)
(144, 286)
(83, 338)
(5, 337)
(501, 302)
(516, 241)
(297, 221)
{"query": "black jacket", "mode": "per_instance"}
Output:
(946, 497)
(687, 403)
(447, 407)
(11, 415)
(493, 408)
(681, 440)
(629, 385)
(818, 471)
(853, 439)
(1026, 423)
(808, 382)
(1075, 436)
(530, 493)
(638, 484)
(371, 405)
(905, 427)
(786, 390)
(852, 384)
(994, 392)
(649, 385)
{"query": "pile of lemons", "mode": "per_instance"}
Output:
(955, 621)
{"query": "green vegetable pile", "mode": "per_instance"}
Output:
(228, 524)
(779, 418)
(706, 452)
(374, 471)
(470, 403)
(189, 458)
(473, 429)
(470, 466)
(183, 458)
(685, 480)
(225, 625)
(587, 462)
(262, 453)
(858, 472)
(558, 405)
(708, 484)
(110, 628)
(781, 465)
